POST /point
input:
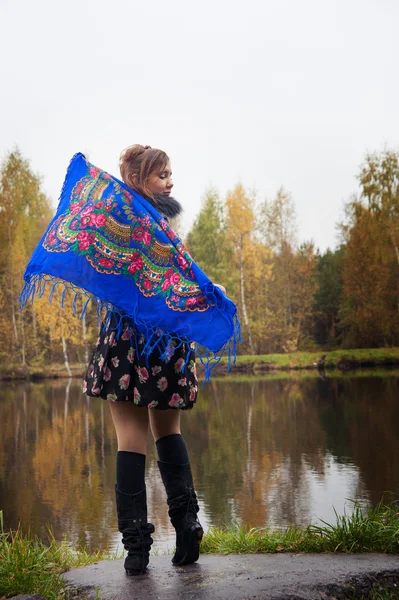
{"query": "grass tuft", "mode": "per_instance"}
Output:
(28, 566)
(371, 530)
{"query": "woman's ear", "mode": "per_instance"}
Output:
(132, 178)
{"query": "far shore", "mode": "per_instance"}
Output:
(341, 361)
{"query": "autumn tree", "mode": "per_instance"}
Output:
(240, 233)
(278, 222)
(304, 288)
(368, 311)
(379, 180)
(38, 334)
(25, 212)
(278, 227)
(292, 285)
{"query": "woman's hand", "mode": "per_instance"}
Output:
(221, 287)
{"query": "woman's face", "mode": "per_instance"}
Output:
(160, 182)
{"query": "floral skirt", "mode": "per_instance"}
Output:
(115, 373)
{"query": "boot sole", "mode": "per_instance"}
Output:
(136, 569)
(192, 541)
(133, 572)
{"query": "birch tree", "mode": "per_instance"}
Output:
(240, 233)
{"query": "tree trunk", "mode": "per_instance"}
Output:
(84, 332)
(34, 331)
(23, 347)
(244, 307)
(397, 258)
(14, 322)
(66, 360)
(51, 345)
(87, 431)
(289, 303)
(332, 330)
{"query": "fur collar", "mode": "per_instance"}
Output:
(168, 206)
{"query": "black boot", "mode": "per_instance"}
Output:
(135, 529)
(183, 508)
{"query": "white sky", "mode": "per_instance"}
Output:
(268, 92)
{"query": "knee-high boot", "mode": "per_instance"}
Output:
(135, 529)
(183, 508)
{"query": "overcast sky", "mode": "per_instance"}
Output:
(266, 92)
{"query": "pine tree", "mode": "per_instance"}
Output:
(207, 241)
(328, 297)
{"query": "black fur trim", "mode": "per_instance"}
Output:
(168, 206)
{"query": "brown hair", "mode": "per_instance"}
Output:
(137, 163)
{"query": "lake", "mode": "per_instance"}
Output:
(268, 452)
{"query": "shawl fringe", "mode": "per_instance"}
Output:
(155, 337)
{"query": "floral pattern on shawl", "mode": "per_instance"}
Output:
(117, 240)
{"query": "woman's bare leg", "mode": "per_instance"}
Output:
(164, 422)
(131, 426)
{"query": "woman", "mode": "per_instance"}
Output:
(148, 394)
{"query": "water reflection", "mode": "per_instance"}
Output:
(268, 452)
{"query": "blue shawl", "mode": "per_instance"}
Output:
(111, 246)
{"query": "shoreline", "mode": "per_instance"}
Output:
(340, 360)
(363, 532)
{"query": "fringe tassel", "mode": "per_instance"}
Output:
(155, 337)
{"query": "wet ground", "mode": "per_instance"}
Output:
(239, 577)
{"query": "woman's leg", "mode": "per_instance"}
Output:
(131, 426)
(164, 422)
(175, 469)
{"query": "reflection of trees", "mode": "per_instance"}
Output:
(18, 433)
(68, 476)
(250, 440)
(57, 458)
(360, 417)
(47, 457)
(372, 413)
(252, 448)
(253, 444)
(280, 441)
(216, 434)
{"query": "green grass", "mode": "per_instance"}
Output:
(295, 360)
(384, 591)
(27, 565)
(381, 594)
(276, 374)
(307, 361)
(36, 372)
(372, 530)
(361, 357)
